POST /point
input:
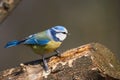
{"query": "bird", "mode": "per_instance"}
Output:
(44, 42)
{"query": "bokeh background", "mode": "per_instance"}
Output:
(87, 21)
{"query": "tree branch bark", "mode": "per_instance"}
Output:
(88, 62)
(6, 7)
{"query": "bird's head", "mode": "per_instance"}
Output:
(59, 33)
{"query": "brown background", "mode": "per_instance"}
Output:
(87, 21)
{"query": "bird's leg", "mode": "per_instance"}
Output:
(45, 64)
(58, 53)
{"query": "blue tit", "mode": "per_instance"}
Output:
(43, 42)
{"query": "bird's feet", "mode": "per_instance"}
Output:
(58, 53)
(45, 65)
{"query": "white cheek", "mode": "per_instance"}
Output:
(61, 36)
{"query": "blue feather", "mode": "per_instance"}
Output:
(43, 42)
(30, 41)
(54, 35)
(13, 43)
(35, 41)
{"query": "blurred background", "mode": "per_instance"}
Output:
(87, 21)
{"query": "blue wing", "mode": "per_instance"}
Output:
(33, 40)
(36, 39)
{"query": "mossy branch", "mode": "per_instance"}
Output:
(88, 62)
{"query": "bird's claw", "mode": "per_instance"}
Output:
(58, 53)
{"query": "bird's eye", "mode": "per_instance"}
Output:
(64, 32)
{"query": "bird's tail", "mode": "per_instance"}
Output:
(13, 43)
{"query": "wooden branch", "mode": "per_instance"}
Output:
(88, 62)
(6, 7)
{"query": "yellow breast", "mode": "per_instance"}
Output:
(53, 45)
(50, 47)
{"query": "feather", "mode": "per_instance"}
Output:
(38, 39)
(13, 43)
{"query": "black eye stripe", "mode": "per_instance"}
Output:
(64, 32)
(61, 32)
